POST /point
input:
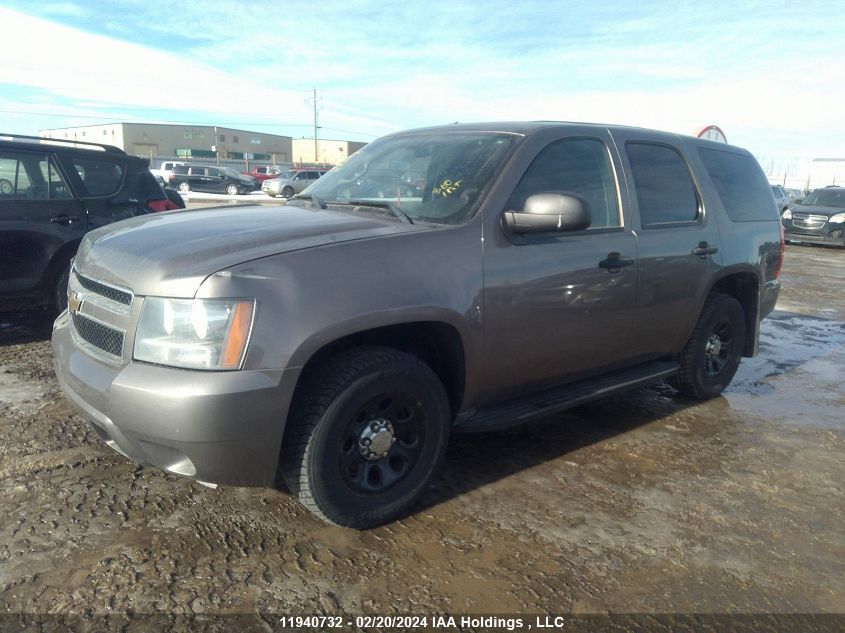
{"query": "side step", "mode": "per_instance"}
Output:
(556, 399)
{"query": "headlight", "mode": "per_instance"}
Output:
(194, 333)
(838, 218)
(787, 215)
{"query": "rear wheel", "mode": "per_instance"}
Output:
(6, 186)
(367, 431)
(712, 355)
(287, 192)
(184, 187)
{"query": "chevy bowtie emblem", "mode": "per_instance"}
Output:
(74, 303)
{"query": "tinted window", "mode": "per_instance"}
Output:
(575, 166)
(100, 177)
(212, 172)
(180, 169)
(741, 185)
(197, 171)
(665, 192)
(23, 176)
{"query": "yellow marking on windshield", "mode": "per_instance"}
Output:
(447, 188)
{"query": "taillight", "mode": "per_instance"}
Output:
(780, 255)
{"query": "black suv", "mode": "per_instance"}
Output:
(818, 219)
(211, 179)
(52, 193)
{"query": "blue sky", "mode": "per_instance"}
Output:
(770, 74)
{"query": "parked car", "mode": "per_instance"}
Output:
(166, 169)
(52, 192)
(818, 219)
(211, 179)
(341, 343)
(265, 172)
(291, 182)
(782, 199)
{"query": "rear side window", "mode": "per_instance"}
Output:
(665, 191)
(740, 184)
(574, 166)
(25, 176)
(100, 177)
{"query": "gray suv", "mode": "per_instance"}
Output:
(458, 278)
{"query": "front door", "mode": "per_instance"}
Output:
(38, 216)
(553, 309)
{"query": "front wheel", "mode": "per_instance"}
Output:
(366, 432)
(711, 356)
(60, 287)
(287, 192)
(184, 187)
(232, 190)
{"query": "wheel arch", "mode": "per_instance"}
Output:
(743, 284)
(437, 343)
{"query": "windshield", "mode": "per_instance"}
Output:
(435, 177)
(289, 174)
(826, 198)
(229, 172)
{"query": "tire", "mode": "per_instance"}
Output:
(184, 187)
(232, 190)
(6, 187)
(366, 432)
(287, 192)
(711, 356)
(59, 297)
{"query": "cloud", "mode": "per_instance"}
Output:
(382, 68)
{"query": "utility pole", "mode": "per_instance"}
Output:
(313, 101)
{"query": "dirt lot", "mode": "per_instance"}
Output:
(645, 502)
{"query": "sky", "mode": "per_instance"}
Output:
(771, 74)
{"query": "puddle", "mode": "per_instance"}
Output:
(811, 353)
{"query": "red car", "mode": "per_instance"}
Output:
(264, 172)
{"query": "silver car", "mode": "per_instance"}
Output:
(291, 182)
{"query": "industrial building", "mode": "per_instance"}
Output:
(329, 152)
(185, 141)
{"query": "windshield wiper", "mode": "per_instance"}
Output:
(394, 208)
(315, 201)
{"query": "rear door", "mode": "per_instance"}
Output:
(98, 180)
(39, 219)
(554, 310)
(678, 242)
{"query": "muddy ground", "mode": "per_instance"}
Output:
(645, 502)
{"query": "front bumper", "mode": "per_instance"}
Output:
(813, 238)
(215, 427)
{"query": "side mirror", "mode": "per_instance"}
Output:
(549, 212)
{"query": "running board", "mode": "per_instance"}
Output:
(556, 399)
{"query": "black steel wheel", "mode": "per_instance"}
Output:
(366, 432)
(712, 355)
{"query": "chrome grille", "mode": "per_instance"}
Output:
(103, 337)
(808, 221)
(109, 292)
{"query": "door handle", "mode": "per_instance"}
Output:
(65, 219)
(703, 249)
(615, 261)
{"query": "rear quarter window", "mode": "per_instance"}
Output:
(740, 184)
(100, 177)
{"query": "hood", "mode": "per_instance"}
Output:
(816, 209)
(170, 254)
